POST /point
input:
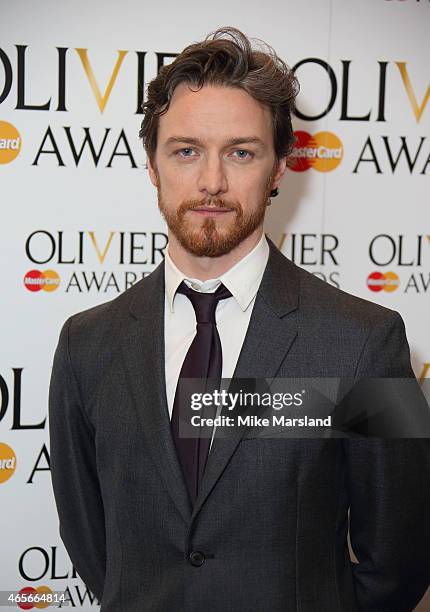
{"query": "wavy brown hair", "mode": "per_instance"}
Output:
(226, 58)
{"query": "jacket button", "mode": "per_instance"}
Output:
(196, 558)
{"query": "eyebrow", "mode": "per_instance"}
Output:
(229, 142)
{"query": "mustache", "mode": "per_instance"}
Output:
(208, 203)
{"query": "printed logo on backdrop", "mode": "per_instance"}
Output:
(101, 146)
(10, 142)
(317, 253)
(57, 60)
(52, 564)
(76, 145)
(385, 154)
(407, 257)
(7, 462)
(29, 597)
(322, 152)
(383, 281)
(35, 280)
(374, 154)
(18, 418)
(88, 261)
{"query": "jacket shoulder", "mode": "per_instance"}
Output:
(318, 296)
(317, 299)
(95, 325)
(349, 333)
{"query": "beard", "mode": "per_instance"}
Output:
(209, 238)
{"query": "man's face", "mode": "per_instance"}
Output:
(214, 168)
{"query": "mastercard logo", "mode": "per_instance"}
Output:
(29, 593)
(383, 281)
(7, 462)
(35, 280)
(322, 152)
(10, 142)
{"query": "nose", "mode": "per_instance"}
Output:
(212, 178)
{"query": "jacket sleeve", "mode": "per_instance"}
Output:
(74, 472)
(389, 492)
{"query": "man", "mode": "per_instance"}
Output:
(154, 521)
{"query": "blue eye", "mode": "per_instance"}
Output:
(186, 152)
(243, 154)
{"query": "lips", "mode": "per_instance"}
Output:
(211, 211)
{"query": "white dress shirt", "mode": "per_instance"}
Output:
(232, 314)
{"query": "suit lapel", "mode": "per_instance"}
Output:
(271, 333)
(143, 353)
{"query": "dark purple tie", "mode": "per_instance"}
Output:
(203, 361)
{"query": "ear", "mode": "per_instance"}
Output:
(152, 171)
(278, 172)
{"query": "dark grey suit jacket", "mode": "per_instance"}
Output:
(270, 522)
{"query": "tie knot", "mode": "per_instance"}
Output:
(204, 304)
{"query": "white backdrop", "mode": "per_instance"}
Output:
(91, 218)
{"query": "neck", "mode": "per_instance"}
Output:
(204, 268)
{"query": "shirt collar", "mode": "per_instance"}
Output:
(242, 280)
